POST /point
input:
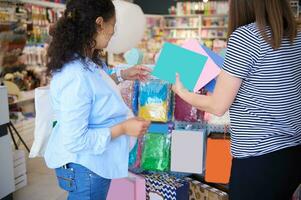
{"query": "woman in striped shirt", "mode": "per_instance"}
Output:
(261, 85)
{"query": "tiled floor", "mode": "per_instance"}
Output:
(41, 184)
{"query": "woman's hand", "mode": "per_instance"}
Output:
(178, 87)
(136, 126)
(133, 127)
(138, 72)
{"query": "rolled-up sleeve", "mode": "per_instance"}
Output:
(76, 104)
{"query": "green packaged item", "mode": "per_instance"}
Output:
(156, 152)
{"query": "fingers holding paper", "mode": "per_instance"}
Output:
(178, 87)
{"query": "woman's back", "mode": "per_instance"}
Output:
(266, 114)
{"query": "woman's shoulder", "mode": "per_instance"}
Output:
(71, 71)
(246, 31)
(75, 67)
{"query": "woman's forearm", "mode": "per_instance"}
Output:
(201, 102)
(117, 130)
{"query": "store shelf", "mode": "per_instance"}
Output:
(214, 15)
(215, 37)
(182, 38)
(182, 28)
(214, 27)
(181, 16)
(47, 4)
(25, 96)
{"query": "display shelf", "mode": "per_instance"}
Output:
(181, 16)
(47, 4)
(183, 28)
(214, 27)
(25, 96)
(182, 38)
(215, 37)
(215, 15)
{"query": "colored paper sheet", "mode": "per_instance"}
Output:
(174, 59)
(210, 71)
(210, 86)
(219, 60)
(214, 56)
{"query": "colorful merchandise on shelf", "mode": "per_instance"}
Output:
(24, 79)
(127, 92)
(156, 152)
(161, 127)
(35, 55)
(181, 22)
(135, 155)
(201, 191)
(154, 100)
(135, 99)
(191, 8)
(175, 59)
(188, 151)
(216, 7)
(24, 32)
(185, 112)
(165, 187)
(218, 160)
(130, 89)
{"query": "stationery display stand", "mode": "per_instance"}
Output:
(12, 128)
(7, 184)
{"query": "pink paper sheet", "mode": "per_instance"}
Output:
(210, 71)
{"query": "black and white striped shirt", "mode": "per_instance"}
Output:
(266, 114)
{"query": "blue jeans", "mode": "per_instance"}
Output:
(81, 183)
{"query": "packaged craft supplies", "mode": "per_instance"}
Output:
(129, 92)
(156, 152)
(154, 100)
(185, 112)
(135, 155)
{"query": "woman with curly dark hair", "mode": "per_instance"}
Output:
(89, 144)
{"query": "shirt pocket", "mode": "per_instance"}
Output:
(66, 179)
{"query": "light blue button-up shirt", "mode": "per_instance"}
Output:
(86, 107)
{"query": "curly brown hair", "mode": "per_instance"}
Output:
(74, 32)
